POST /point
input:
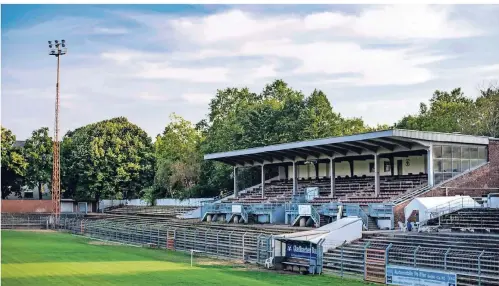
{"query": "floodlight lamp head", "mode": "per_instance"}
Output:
(56, 41)
(50, 42)
(63, 41)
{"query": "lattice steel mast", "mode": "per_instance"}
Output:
(57, 49)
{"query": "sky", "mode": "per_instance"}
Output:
(147, 61)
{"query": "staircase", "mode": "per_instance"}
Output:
(373, 225)
(476, 219)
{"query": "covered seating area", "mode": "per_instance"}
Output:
(365, 168)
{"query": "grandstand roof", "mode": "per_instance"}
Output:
(387, 141)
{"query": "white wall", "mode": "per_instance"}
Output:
(67, 207)
(342, 169)
(361, 167)
(159, 202)
(323, 170)
(416, 166)
(384, 223)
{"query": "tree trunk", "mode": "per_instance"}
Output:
(40, 193)
(97, 198)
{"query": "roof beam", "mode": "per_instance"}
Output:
(401, 143)
(295, 153)
(364, 146)
(328, 148)
(312, 152)
(350, 147)
(252, 158)
(381, 143)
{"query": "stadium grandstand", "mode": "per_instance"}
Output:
(380, 206)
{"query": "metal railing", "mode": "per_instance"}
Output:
(449, 207)
(380, 210)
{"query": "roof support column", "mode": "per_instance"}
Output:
(332, 175)
(350, 162)
(392, 165)
(376, 174)
(294, 179)
(430, 165)
(235, 182)
(263, 182)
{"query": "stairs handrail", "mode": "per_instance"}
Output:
(452, 206)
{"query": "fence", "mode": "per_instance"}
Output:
(224, 244)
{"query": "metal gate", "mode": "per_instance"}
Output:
(263, 248)
(170, 239)
(375, 265)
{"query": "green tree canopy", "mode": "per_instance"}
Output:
(108, 159)
(178, 159)
(13, 165)
(38, 153)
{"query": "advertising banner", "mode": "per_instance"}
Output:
(300, 249)
(409, 276)
(236, 209)
(305, 210)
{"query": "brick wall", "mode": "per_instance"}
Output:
(470, 184)
(26, 206)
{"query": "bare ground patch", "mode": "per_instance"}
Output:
(100, 242)
(34, 230)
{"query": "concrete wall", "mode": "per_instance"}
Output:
(26, 206)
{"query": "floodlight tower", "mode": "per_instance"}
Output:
(56, 49)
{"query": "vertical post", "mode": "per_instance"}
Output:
(294, 178)
(445, 258)
(392, 165)
(235, 182)
(263, 181)
(332, 174)
(376, 174)
(430, 170)
(480, 268)
(244, 249)
(350, 162)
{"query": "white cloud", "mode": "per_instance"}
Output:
(172, 62)
(110, 31)
(197, 98)
(147, 96)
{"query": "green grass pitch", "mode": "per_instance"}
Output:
(47, 258)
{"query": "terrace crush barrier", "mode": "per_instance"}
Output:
(474, 263)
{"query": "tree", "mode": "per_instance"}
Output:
(108, 159)
(488, 111)
(178, 158)
(13, 165)
(324, 122)
(38, 153)
(447, 112)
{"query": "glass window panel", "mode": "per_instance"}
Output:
(465, 153)
(447, 176)
(474, 163)
(437, 150)
(437, 166)
(474, 153)
(482, 153)
(456, 165)
(465, 165)
(447, 165)
(446, 151)
(456, 152)
(438, 178)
